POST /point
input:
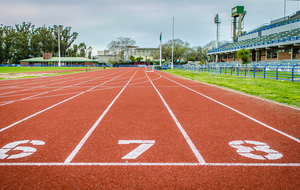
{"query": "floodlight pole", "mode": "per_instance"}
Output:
(59, 64)
(172, 45)
(217, 22)
(58, 30)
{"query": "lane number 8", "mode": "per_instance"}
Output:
(260, 146)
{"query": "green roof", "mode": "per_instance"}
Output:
(62, 59)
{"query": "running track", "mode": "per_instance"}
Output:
(130, 129)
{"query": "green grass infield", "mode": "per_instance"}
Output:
(31, 72)
(39, 69)
(280, 91)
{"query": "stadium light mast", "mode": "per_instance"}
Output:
(217, 22)
(237, 12)
(58, 30)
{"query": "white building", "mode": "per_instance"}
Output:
(146, 53)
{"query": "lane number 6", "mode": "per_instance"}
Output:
(26, 150)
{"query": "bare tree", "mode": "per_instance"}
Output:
(120, 46)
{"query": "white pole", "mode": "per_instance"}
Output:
(217, 41)
(59, 49)
(172, 45)
(284, 9)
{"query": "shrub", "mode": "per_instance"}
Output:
(244, 54)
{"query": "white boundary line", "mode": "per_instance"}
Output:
(81, 143)
(154, 164)
(5, 128)
(60, 88)
(239, 92)
(251, 118)
(185, 135)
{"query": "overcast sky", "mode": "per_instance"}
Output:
(98, 22)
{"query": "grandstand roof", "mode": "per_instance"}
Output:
(281, 33)
(55, 59)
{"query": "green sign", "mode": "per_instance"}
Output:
(237, 10)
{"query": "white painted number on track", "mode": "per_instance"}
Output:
(26, 150)
(145, 145)
(244, 150)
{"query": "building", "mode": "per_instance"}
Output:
(48, 60)
(146, 54)
(279, 40)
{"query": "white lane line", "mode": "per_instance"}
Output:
(30, 97)
(251, 118)
(81, 143)
(5, 128)
(156, 164)
(185, 135)
(57, 81)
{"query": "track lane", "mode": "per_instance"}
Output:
(33, 91)
(20, 110)
(212, 127)
(137, 115)
(61, 127)
(282, 117)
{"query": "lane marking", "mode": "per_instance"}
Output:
(251, 118)
(145, 145)
(60, 88)
(260, 146)
(81, 143)
(185, 135)
(26, 150)
(156, 164)
(37, 113)
(239, 92)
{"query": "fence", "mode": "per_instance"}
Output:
(289, 71)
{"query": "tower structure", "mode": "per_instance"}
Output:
(239, 13)
(217, 22)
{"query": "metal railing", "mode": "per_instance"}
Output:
(288, 71)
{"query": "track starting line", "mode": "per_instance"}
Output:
(151, 164)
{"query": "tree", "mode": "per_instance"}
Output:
(82, 49)
(22, 41)
(120, 46)
(46, 39)
(8, 44)
(180, 50)
(132, 59)
(67, 38)
(89, 52)
(139, 59)
(244, 54)
(196, 54)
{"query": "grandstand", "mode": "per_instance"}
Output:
(279, 40)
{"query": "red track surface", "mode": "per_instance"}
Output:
(84, 124)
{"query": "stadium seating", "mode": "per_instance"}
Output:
(265, 40)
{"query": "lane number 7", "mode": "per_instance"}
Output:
(145, 145)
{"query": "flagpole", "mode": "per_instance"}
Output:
(160, 50)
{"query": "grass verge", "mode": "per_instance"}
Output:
(32, 72)
(280, 91)
(38, 69)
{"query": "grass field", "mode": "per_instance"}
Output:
(37, 69)
(31, 72)
(281, 91)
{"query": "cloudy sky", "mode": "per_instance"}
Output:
(98, 22)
